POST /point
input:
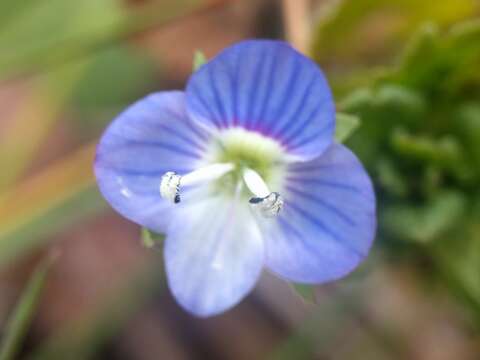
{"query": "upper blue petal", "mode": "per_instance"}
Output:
(328, 222)
(149, 138)
(268, 87)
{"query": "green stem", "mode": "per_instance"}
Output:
(19, 322)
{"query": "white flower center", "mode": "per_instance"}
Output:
(236, 156)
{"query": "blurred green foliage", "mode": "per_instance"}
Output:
(415, 123)
(151, 240)
(345, 126)
(126, 68)
(199, 59)
(20, 319)
(38, 29)
(84, 69)
(351, 31)
(419, 139)
(38, 207)
(41, 35)
(85, 337)
(341, 310)
(306, 292)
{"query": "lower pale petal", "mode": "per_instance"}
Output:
(328, 222)
(213, 254)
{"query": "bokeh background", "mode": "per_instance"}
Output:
(77, 281)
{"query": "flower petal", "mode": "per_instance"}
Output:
(268, 87)
(328, 221)
(213, 255)
(151, 137)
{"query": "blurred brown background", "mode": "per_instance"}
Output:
(105, 295)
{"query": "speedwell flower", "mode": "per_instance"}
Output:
(241, 172)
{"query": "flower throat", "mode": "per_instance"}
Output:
(236, 157)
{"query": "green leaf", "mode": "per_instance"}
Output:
(358, 100)
(390, 178)
(306, 292)
(199, 59)
(469, 123)
(113, 77)
(150, 240)
(345, 127)
(46, 24)
(422, 45)
(375, 106)
(147, 238)
(408, 102)
(428, 222)
(9, 10)
(441, 62)
(425, 147)
(19, 321)
(445, 152)
(457, 257)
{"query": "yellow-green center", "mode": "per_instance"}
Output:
(246, 149)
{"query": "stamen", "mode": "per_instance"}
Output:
(170, 187)
(171, 182)
(207, 173)
(268, 206)
(255, 183)
(265, 202)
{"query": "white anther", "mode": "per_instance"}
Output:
(268, 206)
(267, 203)
(170, 187)
(171, 183)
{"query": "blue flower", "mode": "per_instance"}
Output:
(241, 172)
